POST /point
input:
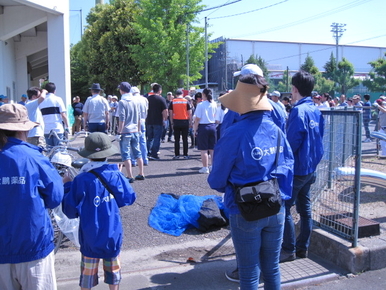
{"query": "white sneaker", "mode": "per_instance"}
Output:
(204, 170)
(368, 140)
(210, 168)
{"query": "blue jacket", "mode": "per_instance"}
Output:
(29, 184)
(305, 127)
(100, 228)
(246, 153)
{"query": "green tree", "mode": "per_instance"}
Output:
(107, 43)
(330, 68)
(80, 80)
(163, 26)
(285, 84)
(323, 85)
(377, 77)
(309, 65)
(344, 76)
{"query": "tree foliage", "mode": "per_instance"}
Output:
(377, 77)
(309, 65)
(344, 76)
(163, 26)
(80, 82)
(322, 85)
(285, 85)
(330, 68)
(106, 44)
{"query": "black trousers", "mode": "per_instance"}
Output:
(181, 128)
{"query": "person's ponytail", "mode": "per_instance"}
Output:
(208, 93)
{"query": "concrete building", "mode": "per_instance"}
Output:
(34, 45)
(232, 54)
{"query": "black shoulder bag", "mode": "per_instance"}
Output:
(259, 200)
(102, 181)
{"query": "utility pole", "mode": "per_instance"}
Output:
(337, 30)
(206, 53)
(187, 57)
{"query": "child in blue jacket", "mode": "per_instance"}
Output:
(95, 196)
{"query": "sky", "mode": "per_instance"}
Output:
(279, 20)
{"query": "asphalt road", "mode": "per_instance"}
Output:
(179, 177)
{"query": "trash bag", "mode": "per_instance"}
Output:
(69, 227)
(210, 216)
(166, 216)
(173, 214)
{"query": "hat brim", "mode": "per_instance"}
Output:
(246, 98)
(99, 155)
(25, 126)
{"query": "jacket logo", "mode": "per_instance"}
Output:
(257, 153)
(313, 124)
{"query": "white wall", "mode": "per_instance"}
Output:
(13, 57)
(279, 55)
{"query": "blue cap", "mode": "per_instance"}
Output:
(125, 87)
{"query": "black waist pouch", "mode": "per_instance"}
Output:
(259, 200)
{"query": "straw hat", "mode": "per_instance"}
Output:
(14, 117)
(246, 98)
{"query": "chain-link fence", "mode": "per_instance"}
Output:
(336, 192)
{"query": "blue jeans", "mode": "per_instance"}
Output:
(142, 145)
(97, 127)
(153, 136)
(300, 197)
(366, 124)
(257, 246)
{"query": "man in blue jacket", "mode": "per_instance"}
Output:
(305, 127)
(29, 185)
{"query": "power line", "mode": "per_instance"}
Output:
(242, 13)
(218, 7)
(310, 18)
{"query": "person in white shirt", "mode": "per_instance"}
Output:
(54, 115)
(96, 111)
(35, 98)
(205, 128)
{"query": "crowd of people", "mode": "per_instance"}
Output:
(252, 144)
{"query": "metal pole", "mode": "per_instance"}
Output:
(81, 23)
(206, 53)
(187, 56)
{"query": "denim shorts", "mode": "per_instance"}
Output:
(130, 143)
(89, 271)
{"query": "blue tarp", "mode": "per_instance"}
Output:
(174, 214)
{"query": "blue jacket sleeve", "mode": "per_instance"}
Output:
(50, 185)
(123, 192)
(223, 162)
(295, 129)
(71, 200)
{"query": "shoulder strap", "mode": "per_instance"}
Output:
(102, 181)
